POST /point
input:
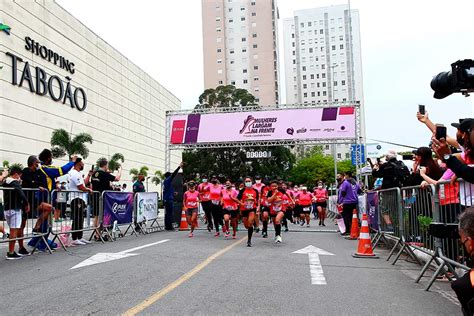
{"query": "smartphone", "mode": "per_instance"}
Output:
(407, 157)
(440, 131)
(421, 109)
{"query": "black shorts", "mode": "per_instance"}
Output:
(264, 209)
(322, 204)
(275, 214)
(94, 201)
(246, 213)
(190, 211)
(232, 213)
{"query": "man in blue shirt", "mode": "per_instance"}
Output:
(168, 197)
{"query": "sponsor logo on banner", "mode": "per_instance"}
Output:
(258, 126)
(301, 130)
(119, 208)
(147, 206)
(192, 129)
(177, 131)
(5, 28)
(290, 131)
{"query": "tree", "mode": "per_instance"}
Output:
(225, 96)
(142, 171)
(318, 167)
(158, 177)
(63, 144)
(6, 164)
(114, 163)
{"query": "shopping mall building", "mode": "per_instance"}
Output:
(57, 73)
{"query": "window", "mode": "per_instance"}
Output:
(292, 35)
(219, 50)
(343, 82)
(245, 81)
(244, 71)
(244, 39)
(310, 50)
(324, 93)
(312, 76)
(242, 19)
(252, 3)
(254, 45)
(231, 20)
(304, 77)
(305, 94)
(302, 24)
(231, 51)
(347, 156)
(309, 23)
(218, 19)
(313, 94)
(257, 89)
(294, 61)
(219, 71)
(293, 44)
(327, 147)
(232, 82)
(304, 68)
(333, 47)
(323, 75)
(333, 39)
(338, 156)
(344, 100)
(254, 35)
(230, 9)
(218, 29)
(242, 9)
(335, 83)
(219, 61)
(321, 31)
(319, 94)
(244, 50)
(317, 77)
(255, 67)
(254, 13)
(324, 84)
(318, 84)
(302, 33)
(341, 38)
(305, 86)
(323, 66)
(221, 82)
(255, 78)
(341, 46)
(231, 62)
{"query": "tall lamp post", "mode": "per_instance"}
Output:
(334, 149)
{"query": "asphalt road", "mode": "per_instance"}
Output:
(203, 276)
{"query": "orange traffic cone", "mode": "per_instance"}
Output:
(354, 226)
(184, 222)
(364, 249)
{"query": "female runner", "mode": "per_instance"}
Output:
(230, 205)
(215, 195)
(276, 198)
(191, 206)
(249, 204)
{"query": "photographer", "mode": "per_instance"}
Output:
(464, 286)
(393, 172)
(463, 168)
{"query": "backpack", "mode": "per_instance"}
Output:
(401, 173)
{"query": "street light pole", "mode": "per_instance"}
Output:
(334, 149)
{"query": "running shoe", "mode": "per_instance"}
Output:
(257, 229)
(264, 235)
(217, 234)
(13, 256)
(23, 252)
(286, 229)
(209, 228)
(227, 234)
(323, 224)
(234, 236)
(278, 239)
(190, 235)
(249, 244)
(78, 242)
(307, 225)
(85, 241)
(302, 224)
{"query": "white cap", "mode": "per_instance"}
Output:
(391, 154)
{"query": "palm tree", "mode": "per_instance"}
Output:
(158, 179)
(6, 164)
(135, 172)
(114, 163)
(63, 144)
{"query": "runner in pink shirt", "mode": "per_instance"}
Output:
(191, 205)
(259, 187)
(215, 195)
(321, 196)
(230, 206)
(205, 198)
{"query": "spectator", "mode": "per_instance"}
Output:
(124, 187)
(15, 201)
(78, 201)
(424, 158)
(168, 197)
(393, 172)
(464, 286)
(423, 118)
(101, 181)
(348, 198)
(4, 175)
(138, 186)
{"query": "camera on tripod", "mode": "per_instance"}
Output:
(459, 79)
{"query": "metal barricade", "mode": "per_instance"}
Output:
(75, 213)
(32, 225)
(146, 212)
(117, 210)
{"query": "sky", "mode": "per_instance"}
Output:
(404, 44)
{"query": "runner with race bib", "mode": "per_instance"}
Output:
(230, 208)
(191, 206)
(304, 201)
(249, 204)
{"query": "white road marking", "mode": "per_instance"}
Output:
(315, 267)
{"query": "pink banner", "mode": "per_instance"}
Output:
(288, 124)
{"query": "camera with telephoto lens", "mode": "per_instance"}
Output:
(459, 79)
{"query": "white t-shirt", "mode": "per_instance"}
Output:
(75, 180)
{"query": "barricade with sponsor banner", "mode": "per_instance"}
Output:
(33, 225)
(118, 210)
(146, 212)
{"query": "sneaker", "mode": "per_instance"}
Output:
(278, 239)
(264, 235)
(78, 242)
(13, 256)
(323, 224)
(302, 224)
(217, 234)
(234, 236)
(190, 235)
(257, 229)
(23, 252)
(249, 244)
(286, 229)
(307, 225)
(227, 234)
(85, 241)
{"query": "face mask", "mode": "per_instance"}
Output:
(320, 186)
(204, 180)
(214, 181)
(248, 184)
(82, 168)
(460, 141)
(258, 181)
(228, 186)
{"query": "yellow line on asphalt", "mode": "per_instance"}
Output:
(170, 287)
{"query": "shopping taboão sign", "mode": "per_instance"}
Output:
(40, 82)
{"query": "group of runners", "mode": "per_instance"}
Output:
(226, 204)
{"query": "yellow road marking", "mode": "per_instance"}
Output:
(170, 287)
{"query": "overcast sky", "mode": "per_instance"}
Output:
(404, 44)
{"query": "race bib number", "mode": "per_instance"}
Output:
(206, 196)
(277, 208)
(305, 209)
(215, 202)
(192, 204)
(248, 205)
(229, 208)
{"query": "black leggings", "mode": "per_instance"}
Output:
(78, 207)
(347, 210)
(206, 206)
(216, 211)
